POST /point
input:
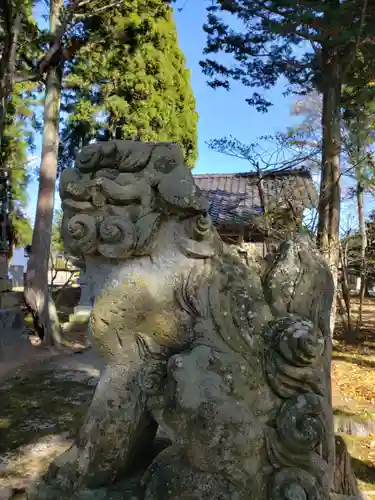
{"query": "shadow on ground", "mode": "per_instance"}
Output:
(40, 413)
(357, 361)
(364, 472)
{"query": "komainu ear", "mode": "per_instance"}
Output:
(203, 242)
(179, 190)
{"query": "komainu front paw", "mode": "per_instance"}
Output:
(61, 479)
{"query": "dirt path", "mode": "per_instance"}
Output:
(41, 413)
(39, 354)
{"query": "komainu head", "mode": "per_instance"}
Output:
(116, 197)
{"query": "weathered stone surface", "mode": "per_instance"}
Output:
(14, 338)
(86, 300)
(5, 285)
(228, 356)
(8, 300)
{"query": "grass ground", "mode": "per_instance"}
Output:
(40, 401)
(40, 415)
(353, 387)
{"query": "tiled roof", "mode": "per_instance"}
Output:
(234, 198)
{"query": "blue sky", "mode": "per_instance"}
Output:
(221, 113)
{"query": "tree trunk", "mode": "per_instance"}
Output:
(265, 213)
(344, 481)
(37, 294)
(367, 287)
(361, 158)
(350, 333)
(329, 198)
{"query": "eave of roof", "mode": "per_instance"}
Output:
(235, 198)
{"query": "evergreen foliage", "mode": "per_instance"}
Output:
(57, 241)
(290, 38)
(18, 125)
(129, 81)
(314, 44)
(18, 140)
(358, 100)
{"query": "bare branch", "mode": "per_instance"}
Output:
(83, 3)
(97, 11)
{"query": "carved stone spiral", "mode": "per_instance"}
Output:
(135, 158)
(297, 339)
(82, 234)
(117, 237)
(300, 422)
(294, 370)
(295, 484)
(295, 443)
(89, 158)
(294, 347)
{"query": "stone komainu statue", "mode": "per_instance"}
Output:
(230, 360)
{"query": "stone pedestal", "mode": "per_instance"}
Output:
(14, 337)
(8, 299)
(78, 321)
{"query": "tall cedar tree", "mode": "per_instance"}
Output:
(130, 82)
(36, 291)
(310, 42)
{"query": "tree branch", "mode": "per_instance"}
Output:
(69, 20)
(97, 11)
(353, 53)
(46, 60)
(293, 26)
